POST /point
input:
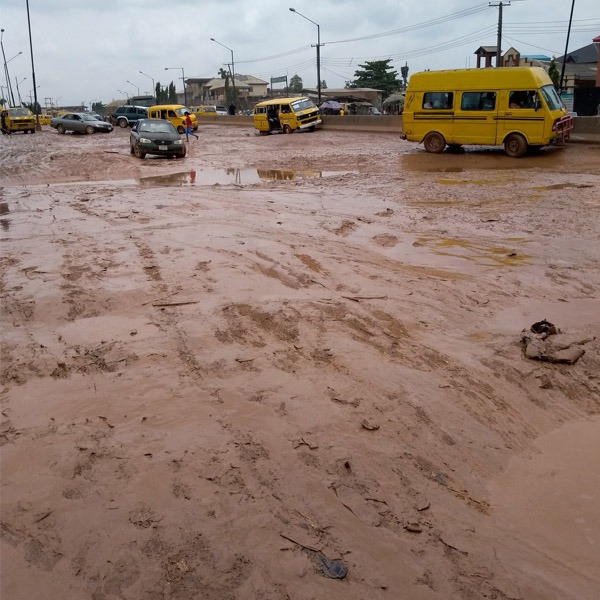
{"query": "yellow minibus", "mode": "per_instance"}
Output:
(175, 113)
(286, 115)
(517, 107)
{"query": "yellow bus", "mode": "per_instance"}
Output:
(517, 107)
(175, 113)
(286, 115)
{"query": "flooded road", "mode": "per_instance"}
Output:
(227, 372)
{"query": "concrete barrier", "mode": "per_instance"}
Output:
(378, 123)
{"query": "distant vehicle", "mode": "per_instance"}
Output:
(515, 106)
(96, 115)
(204, 111)
(286, 115)
(156, 136)
(175, 113)
(124, 116)
(80, 123)
(17, 119)
(221, 111)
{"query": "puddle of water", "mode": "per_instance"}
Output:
(214, 177)
(481, 157)
(563, 186)
(468, 182)
(575, 314)
(551, 501)
(5, 224)
(488, 256)
(4, 210)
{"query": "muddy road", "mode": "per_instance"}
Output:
(291, 367)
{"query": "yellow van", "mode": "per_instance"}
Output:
(286, 115)
(514, 106)
(17, 119)
(204, 111)
(175, 113)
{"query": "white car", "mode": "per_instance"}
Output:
(221, 111)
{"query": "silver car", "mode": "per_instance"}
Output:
(80, 123)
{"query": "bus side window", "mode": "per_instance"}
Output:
(478, 101)
(437, 100)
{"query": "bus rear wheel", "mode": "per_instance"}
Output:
(515, 145)
(434, 142)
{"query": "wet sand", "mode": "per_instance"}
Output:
(222, 372)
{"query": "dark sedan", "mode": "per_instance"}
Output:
(80, 123)
(155, 136)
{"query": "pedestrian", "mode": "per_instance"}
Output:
(188, 127)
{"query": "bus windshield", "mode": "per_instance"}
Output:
(551, 97)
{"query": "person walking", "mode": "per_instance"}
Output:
(188, 127)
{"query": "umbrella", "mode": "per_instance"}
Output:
(332, 104)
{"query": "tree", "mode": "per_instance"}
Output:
(296, 84)
(223, 74)
(554, 74)
(376, 74)
(98, 107)
(172, 94)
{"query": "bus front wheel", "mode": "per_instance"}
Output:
(515, 145)
(434, 142)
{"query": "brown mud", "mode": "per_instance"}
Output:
(222, 373)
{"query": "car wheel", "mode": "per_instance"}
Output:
(515, 145)
(287, 129)
(182, 154)
(122, 123)
(139, 152)
(89, 130)
(60, 128)
(434, 142)
(312, 128)
(131, 150)
(180, 130)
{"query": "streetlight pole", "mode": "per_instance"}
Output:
(182, 79)
(135, 86)
(6, 74)
(152, 79)
(318, 52)
(232, 68)
(36, 105)
(17, 82)
(123, 92)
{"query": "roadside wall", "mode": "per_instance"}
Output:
(382, 123)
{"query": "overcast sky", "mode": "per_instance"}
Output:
(89, 51)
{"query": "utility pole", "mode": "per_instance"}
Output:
(564, 62)
(500, 5)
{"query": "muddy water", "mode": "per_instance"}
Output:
(549, 500)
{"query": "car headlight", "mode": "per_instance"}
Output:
(145, 141)
(178, 142)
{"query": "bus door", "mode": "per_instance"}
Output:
(475, 121)
(522, 111)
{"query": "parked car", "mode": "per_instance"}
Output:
(79, 123)
(221, 111)
(156, 136)
(126, 115)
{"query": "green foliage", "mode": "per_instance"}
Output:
(296, 84)
(172, 94)
(377, 74)
(98, 107)
(554, 74)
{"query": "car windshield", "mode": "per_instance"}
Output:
(180, 112)
(20, 112)
(302, 104)
(157, 127)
